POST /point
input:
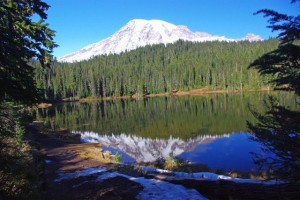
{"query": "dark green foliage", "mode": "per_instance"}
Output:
(19, 163)
(278, 130)
(21, 40)
(283, 62)
(158, 68)
(288, 26)
(6, 120)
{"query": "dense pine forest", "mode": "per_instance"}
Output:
(157, 69)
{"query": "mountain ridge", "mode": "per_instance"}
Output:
(139, 32)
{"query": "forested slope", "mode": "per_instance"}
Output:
(158, 68)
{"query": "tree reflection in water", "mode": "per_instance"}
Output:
(278, 130)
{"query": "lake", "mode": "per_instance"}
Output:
(209, 130)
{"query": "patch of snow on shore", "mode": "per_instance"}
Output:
(153, 189)
(156, 189)
(205, 176)
(80, 173)
(48, 161)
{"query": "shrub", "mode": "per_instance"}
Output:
(171, 163)
(118, 157)
(20, 131)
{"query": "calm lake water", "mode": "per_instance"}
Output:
(209, 130)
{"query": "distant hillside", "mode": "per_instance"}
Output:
(158, 68)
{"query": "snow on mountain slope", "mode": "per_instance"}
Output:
(251, 37)
(138, 33)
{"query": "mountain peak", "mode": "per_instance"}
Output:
(252, 37)
(153, 22)
(140, 32)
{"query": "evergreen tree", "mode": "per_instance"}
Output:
(278, 129)
(22, 40)
(283, 62)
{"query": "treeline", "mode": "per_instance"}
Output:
(156, 69)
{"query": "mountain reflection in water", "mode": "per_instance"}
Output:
(216, 152)
(148, 149)
(210, 130)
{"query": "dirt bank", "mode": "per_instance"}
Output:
(65, 155)
(193, 92)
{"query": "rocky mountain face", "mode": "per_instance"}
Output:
(138, 33)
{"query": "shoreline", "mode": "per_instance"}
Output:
(64, 156)
(193, 92)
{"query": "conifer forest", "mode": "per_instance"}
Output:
(158, 69)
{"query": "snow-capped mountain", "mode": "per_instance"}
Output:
(138, 33)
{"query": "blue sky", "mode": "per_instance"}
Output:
(81, 22)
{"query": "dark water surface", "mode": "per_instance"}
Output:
(209, 130)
